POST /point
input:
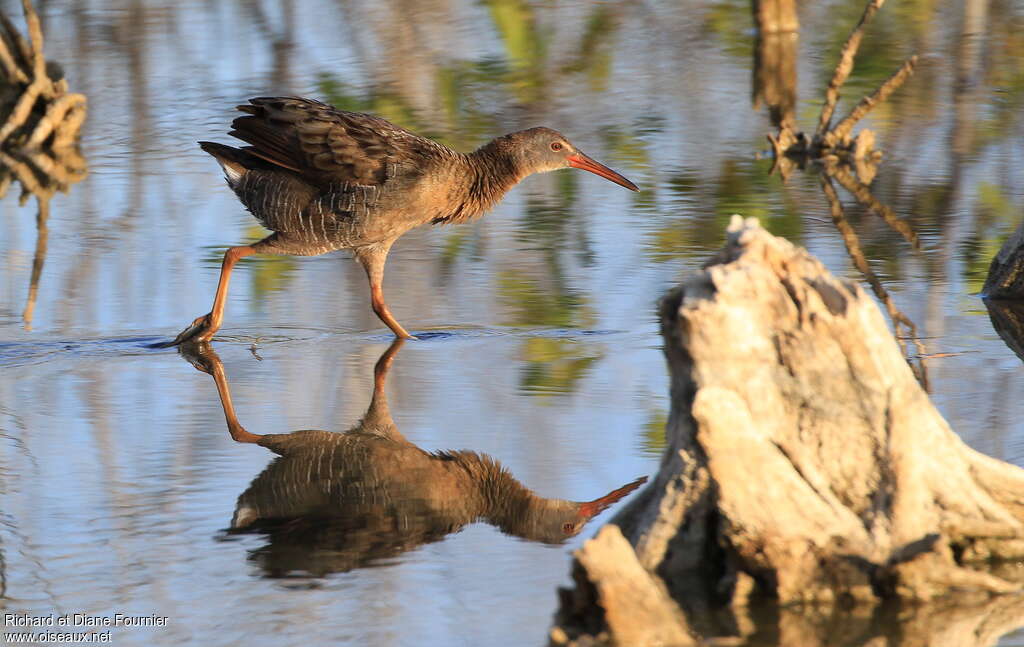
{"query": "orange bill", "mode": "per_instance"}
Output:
(579, 160)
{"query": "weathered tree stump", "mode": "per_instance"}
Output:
(805, 462)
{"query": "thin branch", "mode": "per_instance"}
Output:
(26, 176)
(22, 109)
(69, 129)
(844, 67)
(42, 234)
(35, 34)
(11, 68)
(54, 118)
(24, 52)
(843, 128)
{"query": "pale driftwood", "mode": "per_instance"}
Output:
(615, 596)
(803, 454)
(1005, 278)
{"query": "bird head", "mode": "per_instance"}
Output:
(541, 149)
(555, 520)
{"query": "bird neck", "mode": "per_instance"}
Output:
(508, 504)
(488, 173)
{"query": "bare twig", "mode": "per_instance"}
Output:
(26, 176)
(46, 160)
(23, 52)
(844, 66)
(841, 132)
(11, 68)
(67, 133)
(35, 34)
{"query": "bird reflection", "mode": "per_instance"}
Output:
(333, 501)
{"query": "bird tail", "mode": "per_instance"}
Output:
(234, 161)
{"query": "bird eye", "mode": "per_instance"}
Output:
(568, 527)
(556, 146)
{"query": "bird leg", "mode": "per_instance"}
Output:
(378, 415)
(372, 259)
(238, 433)
(203, 328)
(381, 309)
(205, 359)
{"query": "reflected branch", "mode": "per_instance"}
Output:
(42, 236)
(775, 57)
(896, 316)
(860, 190)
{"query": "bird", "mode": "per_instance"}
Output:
(334, 501)
(323, 179)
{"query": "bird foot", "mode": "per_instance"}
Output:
(199, 330)
(201, 356)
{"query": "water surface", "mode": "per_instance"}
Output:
(540, 346)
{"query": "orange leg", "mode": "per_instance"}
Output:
(373, 262)
(383, 365)
(381, 310)
(235, 428)
(205, 359)
(378, 415)
(203, 328)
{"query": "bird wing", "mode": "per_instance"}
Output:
(329, 146)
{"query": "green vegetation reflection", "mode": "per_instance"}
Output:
(742, 187)
(551, 365)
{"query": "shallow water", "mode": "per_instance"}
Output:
(539, 341)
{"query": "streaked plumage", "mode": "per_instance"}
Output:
(324, 179)
(335, 501)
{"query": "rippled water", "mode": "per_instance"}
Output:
(118, 479)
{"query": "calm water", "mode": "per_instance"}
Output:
(118, 478)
